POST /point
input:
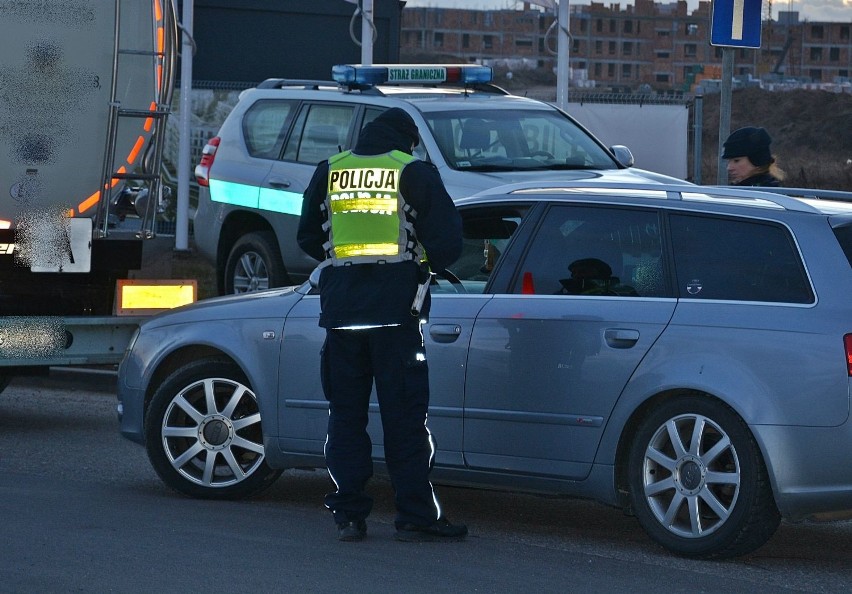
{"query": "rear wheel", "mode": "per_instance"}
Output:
(698, 484)
(255, 264)
(203, 433)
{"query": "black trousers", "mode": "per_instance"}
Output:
(393, 357)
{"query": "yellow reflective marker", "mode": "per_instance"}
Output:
(139, 297)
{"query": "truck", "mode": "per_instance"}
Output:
(85, 91)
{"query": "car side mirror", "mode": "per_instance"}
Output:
(622, 155)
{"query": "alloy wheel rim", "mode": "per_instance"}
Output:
(211, 433)
(250, 274)
(691, 476)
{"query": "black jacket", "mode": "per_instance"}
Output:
(760, 179)
(379, 294)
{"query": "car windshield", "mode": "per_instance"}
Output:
(515, 140)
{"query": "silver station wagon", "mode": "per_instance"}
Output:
(684, 353)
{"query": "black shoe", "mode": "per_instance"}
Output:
(352, 531)
(439, 530)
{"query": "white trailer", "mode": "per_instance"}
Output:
(85, 90)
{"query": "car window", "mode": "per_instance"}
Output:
(370, 114)
(264, 127)
(735, 259)
(321, 130)
(487, 232)
(844, 237)
(497, 140)
(585, 250)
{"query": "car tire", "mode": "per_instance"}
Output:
(698, 484)
(203, 433)
(254, 264)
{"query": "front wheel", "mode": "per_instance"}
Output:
(698, 484)
(255, 264)
(203, 433)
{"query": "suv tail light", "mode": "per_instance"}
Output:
(202, 170)
(847, 340)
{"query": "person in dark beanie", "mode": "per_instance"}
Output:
(374, 217)
(750, 162)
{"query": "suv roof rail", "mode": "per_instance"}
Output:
(280, 83)
(666, 191)
(810, 193)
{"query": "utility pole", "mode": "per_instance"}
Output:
(563, 71)
(734, 24)
(367, 32)
(184, 166)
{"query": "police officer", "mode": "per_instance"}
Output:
(372, 215)
(750, 161)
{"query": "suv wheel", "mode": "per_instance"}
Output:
(203, 433)
(698, 484)
(255, 264)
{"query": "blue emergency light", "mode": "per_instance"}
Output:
(401, 74)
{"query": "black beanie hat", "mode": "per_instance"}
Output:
(749, 142)
(399, 120)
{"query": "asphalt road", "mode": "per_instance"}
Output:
(82, 511)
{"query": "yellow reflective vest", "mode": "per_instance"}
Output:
(367, 217)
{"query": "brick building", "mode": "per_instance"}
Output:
(664, 46)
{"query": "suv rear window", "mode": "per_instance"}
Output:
(264, 127)
(738, 260)
(844, 238)
(320, 132)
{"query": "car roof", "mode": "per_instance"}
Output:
(680, 195)
(445, 98)
(428, 100)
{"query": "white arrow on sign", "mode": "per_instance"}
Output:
(737, 21)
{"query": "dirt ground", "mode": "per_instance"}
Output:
(811, 132)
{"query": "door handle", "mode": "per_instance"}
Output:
(278, 182)
(621, 338)
(444, 332)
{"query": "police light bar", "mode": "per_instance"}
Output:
(401, 74)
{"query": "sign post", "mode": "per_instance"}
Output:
(735, 23)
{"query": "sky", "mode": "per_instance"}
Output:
(812, 10)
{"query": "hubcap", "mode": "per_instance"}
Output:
(215, 432)
(691, 475)
(211, 433)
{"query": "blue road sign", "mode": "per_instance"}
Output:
(736, 23)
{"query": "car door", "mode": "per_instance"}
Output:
(302, 407)
(303, 410)
(550, 356)
(457, 296)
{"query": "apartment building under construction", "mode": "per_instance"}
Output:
(662, 46)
